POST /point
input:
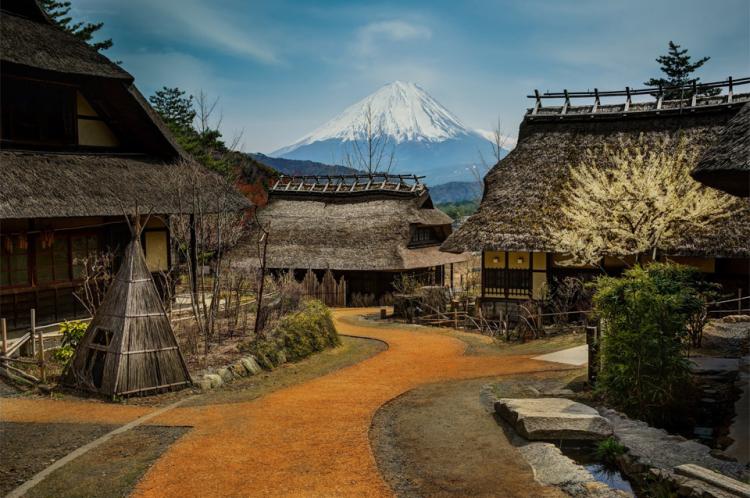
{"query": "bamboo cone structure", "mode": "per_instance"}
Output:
(129, 347)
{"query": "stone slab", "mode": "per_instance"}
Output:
(577, 356)
(553, 419)
(714, 479)
(711, 364)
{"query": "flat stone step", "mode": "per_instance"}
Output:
(732, 486)
(553, 419)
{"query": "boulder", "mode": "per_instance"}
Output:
(214, 379)
(553, 419)
(238, 369)
(225, 374)
(251, 365)
(714, 479)
(203, 383)
(281, 357)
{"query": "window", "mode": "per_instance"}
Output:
(52, 259)
(37, 113)
(83, 247)
(423, 235)
(14, 261)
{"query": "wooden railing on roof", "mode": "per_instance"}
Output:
(340, 184)
(691, 91)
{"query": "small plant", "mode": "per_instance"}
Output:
(608, 450)
(72, 334)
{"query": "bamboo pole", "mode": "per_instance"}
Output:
(42, 366)
(4, 327)
(32, 334)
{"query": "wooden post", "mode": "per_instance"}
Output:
(382, 313)
(194, 254)
(4, 327)
(42, 366)
(593, 336)
(739, 301)
(33, 332)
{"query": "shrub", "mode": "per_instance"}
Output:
(298, 334)
(646, 313)
(608, 450)
(72, 334)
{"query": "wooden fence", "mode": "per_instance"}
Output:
(328, 290)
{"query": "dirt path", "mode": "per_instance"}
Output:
(310, 439)
(439, 440)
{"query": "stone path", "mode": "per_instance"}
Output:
(576, 356)
(310, 439)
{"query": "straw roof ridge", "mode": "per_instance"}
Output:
(41, 45)
(350, 233)
(51, 185)
(521, 199)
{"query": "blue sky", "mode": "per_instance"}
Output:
(283, 67)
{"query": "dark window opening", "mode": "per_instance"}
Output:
(500, 282)
(423, 236)
(14, 261)
(95, 366)
(37, 113)
(102, 337)
(52, 259)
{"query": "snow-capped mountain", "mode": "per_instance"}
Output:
(426, 138)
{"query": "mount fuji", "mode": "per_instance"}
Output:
(426, 138)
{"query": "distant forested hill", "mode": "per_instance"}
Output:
(301, 167)
(454, 192)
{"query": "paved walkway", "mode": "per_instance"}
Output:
(576, 356)
(307, 440)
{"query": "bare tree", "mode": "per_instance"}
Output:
(207, 226)
(499, 142)
(627, 201)
(204, 112)
(371, 149)
(96, 275)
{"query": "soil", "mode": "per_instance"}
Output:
(306, 439)
(28, 448)
(439, 440)
(112, 469)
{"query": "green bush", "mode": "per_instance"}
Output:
(298, 335)
(72, 334)
(644, 344)
(608, 450)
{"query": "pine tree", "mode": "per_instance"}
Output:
(174, 108)
(677, 67)
(59, 12)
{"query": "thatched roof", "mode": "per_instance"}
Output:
(357, 231)
(129, 346)
(522, 192)
(726, 165)
(41, 185)
(36, 43)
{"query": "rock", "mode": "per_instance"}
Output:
(238, 369)
(706, 365)
(714, 479)
(553, 418)
(225, 374)
(281, 357)
(204, 384)
(251, 365)
(214, 379)
(264, 362)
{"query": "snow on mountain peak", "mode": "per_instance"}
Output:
(402, 110)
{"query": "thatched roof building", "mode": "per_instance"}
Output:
(79, 147)
(382, 224)
(129, 346)
(726, 165)
(521, 196)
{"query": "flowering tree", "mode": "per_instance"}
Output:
(631, 199)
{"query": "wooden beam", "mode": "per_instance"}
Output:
(4, 328)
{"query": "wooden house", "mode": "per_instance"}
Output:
(367, 229)
(79, 148)
(521, 200)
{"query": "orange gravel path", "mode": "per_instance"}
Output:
(308, 440)
(312, 439)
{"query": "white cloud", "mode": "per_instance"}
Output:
(508, 142)
(370, 35)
